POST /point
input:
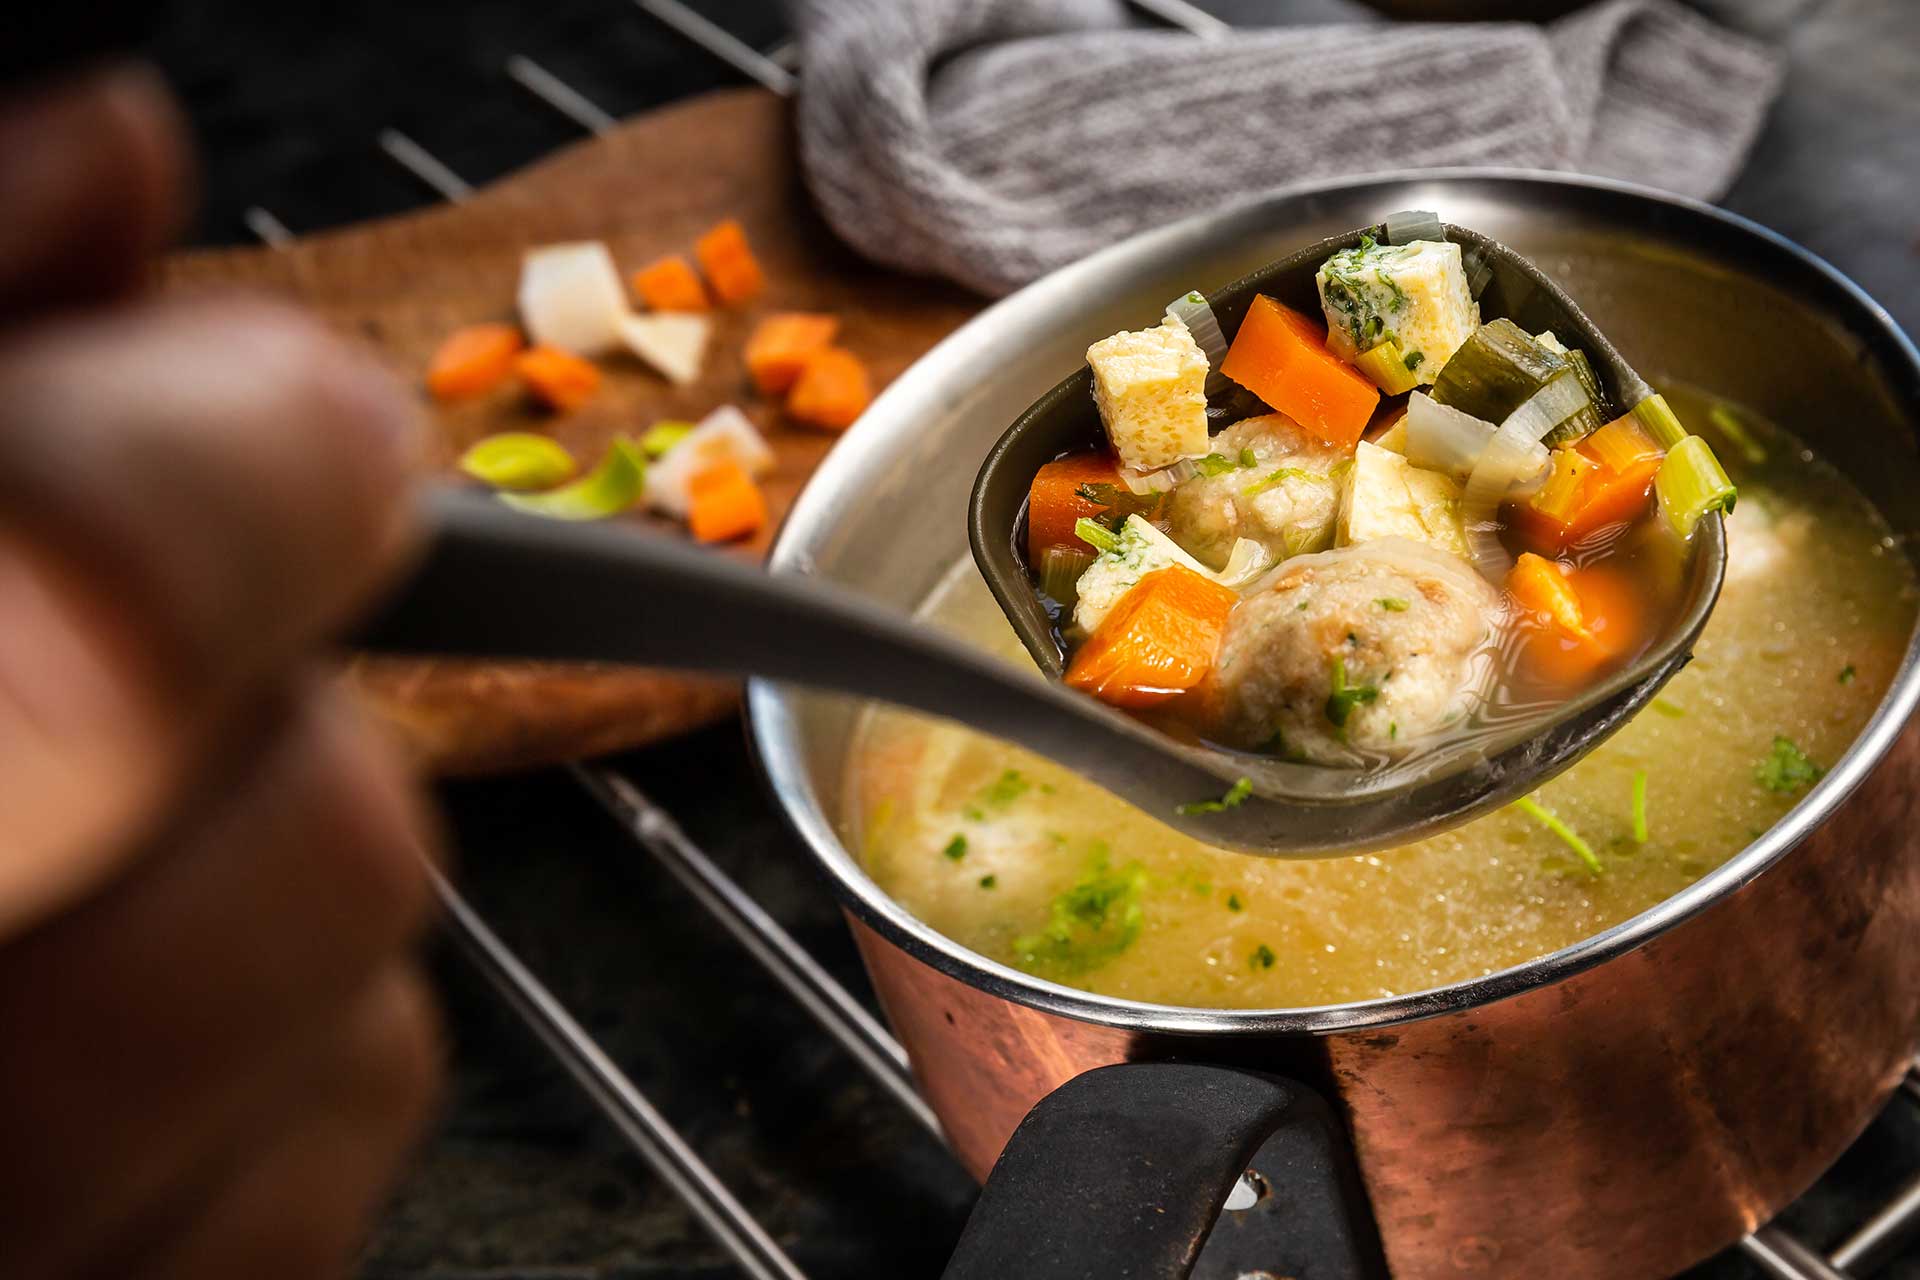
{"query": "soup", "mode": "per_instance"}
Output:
(1027, 864)
(1414, 526)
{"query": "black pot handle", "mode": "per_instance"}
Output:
(1123, 1171)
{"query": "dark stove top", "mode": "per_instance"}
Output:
(522, 1179)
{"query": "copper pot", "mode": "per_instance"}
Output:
(1621, 1108)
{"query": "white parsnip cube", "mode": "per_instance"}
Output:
(1414, 294)
(1151, 390)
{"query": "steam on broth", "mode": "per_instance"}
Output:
(1025, 863)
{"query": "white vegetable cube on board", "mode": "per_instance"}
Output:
(674, 342)
(1142, 550)
(571, 297)
(1414, 294)
(725, 435)
(1385, 496)
(1150, 387)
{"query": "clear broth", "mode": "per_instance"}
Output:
(994, 847)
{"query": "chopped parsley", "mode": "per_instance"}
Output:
(1671, 710)
(1345, 697)
(1413, 360)
(1846, 674)
(1088, 924)
(1262, 957)
(1248, 460)
(1096, 535)
(1640, 807)
(1282, 476)
(1234, 903)
(1119, 502)
(956, 848)
(988, 881)
(1004, 790)
(1786, 767)
(1214, 464)
(1392, 604)
(1235, 797)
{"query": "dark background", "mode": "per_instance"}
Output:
(521, 1179)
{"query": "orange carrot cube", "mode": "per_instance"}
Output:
(473, 361)
(782, 344)
(725, 504)
(558, 379)
(729, 264)
(1281, 356)
(670, 284)
(832, 390)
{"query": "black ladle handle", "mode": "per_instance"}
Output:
(1123, 1172)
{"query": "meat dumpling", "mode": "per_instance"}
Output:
(1285, 500)
(1356, 652)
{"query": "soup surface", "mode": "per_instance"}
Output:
(1025, 863)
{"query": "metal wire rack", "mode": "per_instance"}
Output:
(1771, 1250)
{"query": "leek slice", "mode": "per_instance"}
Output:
(1386, 364)
(1496, 370)
(1409, 225)
(1246, 562)
(1583, 370)
(1559, 412)
(1691, 483)
(1441, 438)
(1193, 311)
(1060, 570)
(1658, 417)
(1096, 535)
(1621, 443)
(518, 460)
(607, 490)
(1564, 482)
(663, 435)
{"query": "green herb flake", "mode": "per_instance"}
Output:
(1248, 460)
(1345, 697)
(1003, 790)
(1566, 834)
(989, 881)
(1786, 768)
(1235, 797)
(1234, 903)
(1096, 535)
(1214, 464)
(1413, 360)
(1280, 477)
(1671, 710)
(1262, 957)
(1392, 604)
(1088, 924)
(956, 848)
(1640, 807)
(1847, 674)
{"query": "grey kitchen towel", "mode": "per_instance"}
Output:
(994, 140)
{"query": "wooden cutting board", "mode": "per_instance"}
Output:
(651, 187)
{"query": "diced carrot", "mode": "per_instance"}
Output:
(670, 284)
(725, 504)
(731, 268)
(1056, 501)
(1158, 642)
(781, 346)
(558, 379)
(832, 390)
(1281, 356)
(473, 361)
(1605, 497)
(1579, 621)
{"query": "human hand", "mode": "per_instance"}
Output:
(217, 1043)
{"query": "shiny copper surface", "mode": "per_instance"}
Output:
(1616, 1125)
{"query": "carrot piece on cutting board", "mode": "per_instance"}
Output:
(782, 344)
(1281, 356)
(670, 284)
(731, 268)
(831, 391)
(1058, 499)
(1158, 642)
(473, 361)
(725, 504)
(558, 379)
(1579, 620)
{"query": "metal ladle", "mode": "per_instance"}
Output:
(497, 583)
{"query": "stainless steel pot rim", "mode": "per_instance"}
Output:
(938, 376)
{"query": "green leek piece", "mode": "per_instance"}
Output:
(1566, 834)
(1691, 483)
(1496, 370)
(1095, 535)
(1060, 570)
(1386, 364)
(518, 460)
(1658, 417)
(663, 435)
(607, 490)
(1583, 424)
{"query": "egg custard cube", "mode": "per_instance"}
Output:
(1150, 387)
(1385, 496)
(1414, 294)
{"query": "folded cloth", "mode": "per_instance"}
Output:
(994, 140)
